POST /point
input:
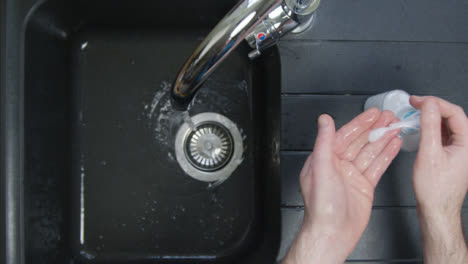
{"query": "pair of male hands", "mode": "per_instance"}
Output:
(339, 178)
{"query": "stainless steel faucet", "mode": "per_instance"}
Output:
(260, 22)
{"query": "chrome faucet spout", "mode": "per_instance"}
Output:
(260, 22)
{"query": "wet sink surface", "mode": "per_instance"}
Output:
(136, 199)
(102, 183)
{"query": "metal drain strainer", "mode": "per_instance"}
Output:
(210, 149)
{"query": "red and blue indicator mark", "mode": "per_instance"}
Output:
(261, 36)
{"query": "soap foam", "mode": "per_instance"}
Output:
(377, 134)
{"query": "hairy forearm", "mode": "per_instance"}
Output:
(443, 239)
(317, 246)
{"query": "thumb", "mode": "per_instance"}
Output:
(324, 144)
(431, 127)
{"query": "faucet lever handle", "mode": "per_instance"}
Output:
(276, 24)
(262, 37)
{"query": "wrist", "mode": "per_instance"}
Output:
(440, 218)
(444, 226)
(318, 244)
(442, 236)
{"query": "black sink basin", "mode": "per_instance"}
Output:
(99, 186)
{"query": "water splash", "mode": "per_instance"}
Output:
(165, 88)
(188, 120)
(164, 119)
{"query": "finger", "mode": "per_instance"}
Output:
(306, 168)
(431, 127)
(325, 141)
(372, 150)
(305, 173)
(456, 118)
(355, 147)
(381, 163)
(351, 131)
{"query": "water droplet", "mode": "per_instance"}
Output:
(84, 45)
(170, 156)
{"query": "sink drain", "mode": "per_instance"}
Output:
(210, 149)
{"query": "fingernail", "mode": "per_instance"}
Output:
(323, 121)
(371, 114)
(417, 99)
(394, 132)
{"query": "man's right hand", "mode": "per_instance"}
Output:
(440, 179)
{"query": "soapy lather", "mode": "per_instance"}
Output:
(377, 133)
